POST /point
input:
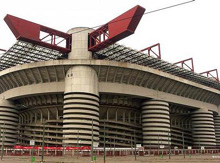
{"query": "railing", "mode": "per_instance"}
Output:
(109, 152)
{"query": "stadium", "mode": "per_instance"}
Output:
(93, 91)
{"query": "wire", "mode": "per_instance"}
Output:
(164, 8)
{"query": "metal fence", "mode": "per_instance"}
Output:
(109, 152)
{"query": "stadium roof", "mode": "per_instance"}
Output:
(121, 53)
(23, 52)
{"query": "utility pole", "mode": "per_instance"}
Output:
(161, 143)
(92, 144)
(78, 144)
(158, 144)
(3, 142)
(169, 143)
(104, 143)
(183, 145)
(1, 138)
(42, 154)
(132, 150)
(135, 147)
(114, 146)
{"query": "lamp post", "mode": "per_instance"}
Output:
(104, 143)
(1, 138)
(135, 157)
(183, 145)
(114, 146)
(169, 143)
(3, 142)
(92, 144)
(78, 144)
(42, 154)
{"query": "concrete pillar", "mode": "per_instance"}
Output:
(8, 122)
(57, 114)
(155, 123)
(203, 128)
(79, 48)
(107, 114)
(48, 114)
(31, 117)
(217, 129)
(22, 115)
(124, 113)
(41, 117)
(35, 117)
(81, 105)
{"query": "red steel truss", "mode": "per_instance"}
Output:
(210, 75)
(115, 30)
(183, 63)
(30, 32)
(151, 50)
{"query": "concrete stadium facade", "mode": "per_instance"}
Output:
(128, 103)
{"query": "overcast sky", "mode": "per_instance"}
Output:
(191, 30)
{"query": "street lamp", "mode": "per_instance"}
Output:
(169, 143)
(3, 141)
(135, 146)
(104, 143)
(42, 154)
(92, 144)
(78, 144)
(183, 144)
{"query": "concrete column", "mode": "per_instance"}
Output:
(35, 117)
(203, 128)
(41, 117)
(155, 123)
(8, 122)
(48, 114)
(23, 117)
(107, 114)
(129, 117)
(81, 105)
(217, 129)
(116, 115)
(79, 48)
(57, 114)
(31, 117)
(124, 114)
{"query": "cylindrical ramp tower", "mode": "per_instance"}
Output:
(155, 123)
(81, 96)
(203, 128)
(217, 129)
(8, 123)
(81, 106)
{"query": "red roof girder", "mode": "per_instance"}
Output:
(209, 74)
(183, 63)
(115, 30)
(30, 32)
(150, 50)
